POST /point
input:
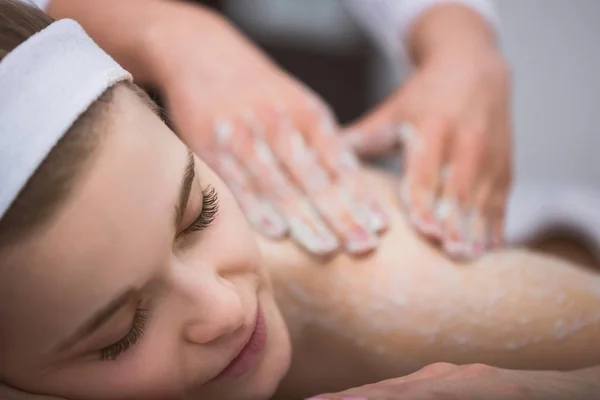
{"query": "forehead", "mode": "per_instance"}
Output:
(127, 197)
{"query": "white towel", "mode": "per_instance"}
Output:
(535, 209)
(46, 83)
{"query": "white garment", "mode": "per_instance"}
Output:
(532, 209)
(43, 4)
(388, 21)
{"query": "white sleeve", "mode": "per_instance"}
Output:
(388, 21)
(43, 4)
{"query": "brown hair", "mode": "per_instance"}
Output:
(47, 189)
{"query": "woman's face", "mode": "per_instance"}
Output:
(137, 289)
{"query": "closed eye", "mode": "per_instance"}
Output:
(210, 209)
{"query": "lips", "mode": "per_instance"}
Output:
(249, 355)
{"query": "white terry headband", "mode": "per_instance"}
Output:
(46, 83)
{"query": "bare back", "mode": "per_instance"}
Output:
(356, 321)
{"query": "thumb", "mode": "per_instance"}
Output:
(375, 133)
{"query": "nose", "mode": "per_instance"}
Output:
(213, 306)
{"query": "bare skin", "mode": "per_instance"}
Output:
(357, 321)
(405, 306)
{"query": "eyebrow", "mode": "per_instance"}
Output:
(186, 188)
(99, 319)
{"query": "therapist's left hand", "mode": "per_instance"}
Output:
(443, 381)
(452, 118)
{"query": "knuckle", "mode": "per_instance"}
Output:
(435, 128)
(429, 388)
(438, 368)
(474, 138)
(477, 370)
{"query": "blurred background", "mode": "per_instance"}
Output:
(553, 46)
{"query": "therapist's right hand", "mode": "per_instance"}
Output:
(272, 140)
(7, 393)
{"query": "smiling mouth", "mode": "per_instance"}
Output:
(250, 353)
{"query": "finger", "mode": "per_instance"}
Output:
(8, 393)
(497, 213)
(338, 397)
(498, 185)
(374, 134)
(425, 145)
(336, 206)
(250, 149)
(497, 225)
(487, 223)
(260, 212)
(460, 191)
(341, 162)
(479, 232)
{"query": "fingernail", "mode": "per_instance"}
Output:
(379, 220)
(409, 136)
(470, 233)
(427, 225)
(360, 241)
(406, 132)
(313, 233)
(456, 244)
(477, 249)
(317, 180)
(308, 239)
(348, 161)
(271, 223)
(354, 138)
(496, 243)
(456, 248)
(265, 219)
(264, 153)
(425, 220)
(327, 123)
(477, 234)
(443, 209)
(360, 213)
(369, 218)
(300, 152)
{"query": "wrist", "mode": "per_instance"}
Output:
(449, 30)
(162, 41)
(120, 27)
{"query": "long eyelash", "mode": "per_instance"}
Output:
(136, 332)
(210, 209)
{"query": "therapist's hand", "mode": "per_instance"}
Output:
(271, 139)
(477, 382)
(452, 119)
(7, 393)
